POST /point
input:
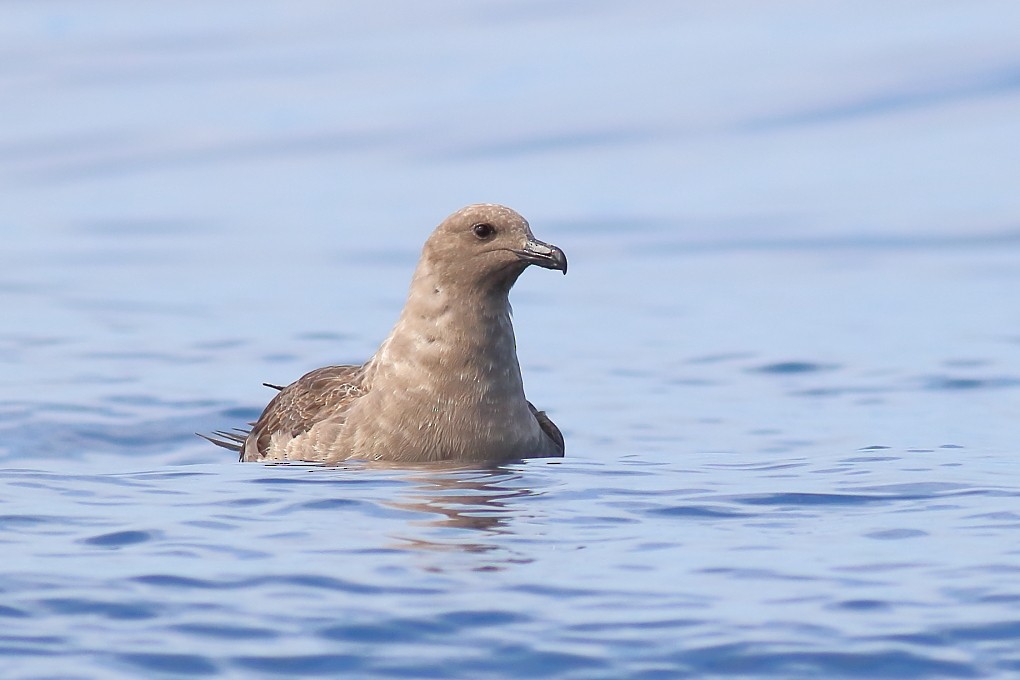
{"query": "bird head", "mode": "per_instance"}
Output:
(487, 245)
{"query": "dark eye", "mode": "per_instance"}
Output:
(483, 230)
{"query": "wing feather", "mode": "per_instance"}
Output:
(549, 427)
(322, 393)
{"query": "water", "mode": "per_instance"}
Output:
(786, 358)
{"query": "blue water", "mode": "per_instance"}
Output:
(786, 359)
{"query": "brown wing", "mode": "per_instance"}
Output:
(549, 427)
(313, 397)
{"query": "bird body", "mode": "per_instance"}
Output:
(445, 385)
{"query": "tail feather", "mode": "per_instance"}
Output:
(233, 441)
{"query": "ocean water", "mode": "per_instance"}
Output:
(786, 358)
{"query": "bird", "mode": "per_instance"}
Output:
(445, 385)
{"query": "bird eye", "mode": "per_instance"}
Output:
(483, 230)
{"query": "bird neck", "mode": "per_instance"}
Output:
(449, 368)
(457, 336)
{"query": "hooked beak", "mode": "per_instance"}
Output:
(543, 254)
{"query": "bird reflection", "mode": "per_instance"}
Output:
(474, 500)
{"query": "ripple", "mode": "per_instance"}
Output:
(997, 630)
(861, 605)
(697, 512)
(324, 504)
(12, 612)
(309, 664)
(809, 499)
(957, 384)
(896, 534)
(181, 582)
(225, 631)
(128, 611)
(119, 539)
(793, 368)
(744, 659)
(175, 664)
(311, 581)
(527, 661)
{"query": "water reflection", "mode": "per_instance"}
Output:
(470, 510)
(466, 499)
